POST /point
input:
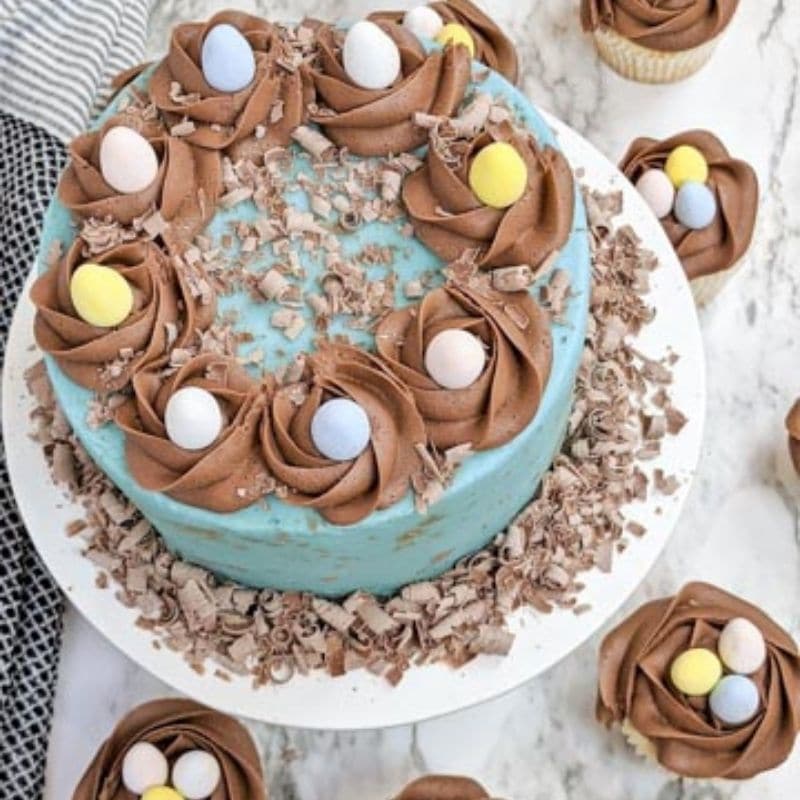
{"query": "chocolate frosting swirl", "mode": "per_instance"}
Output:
(634, 664)
(174, 727)
(227, 475)
(450, 219)
(443, 787)
(344, 492)
(185, 191)
(492, 47)
(668, 25)
(504, 399)
(793, 429)
(86, 353)
(734, 182)
(225, 120)
(372, 122)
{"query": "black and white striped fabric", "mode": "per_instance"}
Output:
(57, 58)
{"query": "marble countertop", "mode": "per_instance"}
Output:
(739, 529)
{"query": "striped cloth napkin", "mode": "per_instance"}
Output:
(57, 58)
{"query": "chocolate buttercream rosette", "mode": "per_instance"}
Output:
(379, 122)
(276, 99)
(492, 47)
(793, 431)
(717, 248)
(503, 400)
(176, 726)
(164, 315)
(451, 220)
(656, 41)
(683, 735)
(185, 190)
(225, 476)
(344, 492)
(443, 787)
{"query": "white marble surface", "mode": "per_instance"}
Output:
(738, 530)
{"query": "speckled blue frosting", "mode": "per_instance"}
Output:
(291, 548)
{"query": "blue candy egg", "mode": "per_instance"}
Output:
(227, 59)
(340, 429)
(735, 700)
(695, 205)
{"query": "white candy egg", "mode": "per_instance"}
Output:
(128, 161)
(196, 774)
(423, 21)
(370, 58)
(340, 429)
(455, 358)
(657, 190)
(143, 767)
(742, 647)
(193, 418)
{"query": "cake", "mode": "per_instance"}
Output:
(653, 41)
(703, 682)
(443, 787)
(174, 749)
(711, 248)
(303, 239)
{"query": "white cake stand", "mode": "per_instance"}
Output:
(361, 700)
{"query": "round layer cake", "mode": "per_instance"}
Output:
(279, 540)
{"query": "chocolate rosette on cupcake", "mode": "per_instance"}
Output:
(380, 121)
(193, 434)
(705, 682)
(255, 83)
(793, 431)
(719, 245)
(181, 744)
(501, 387)
(103, 358)
(345, 440)
(449, 217)
(122, 174)
(492, 47)
(443, 787)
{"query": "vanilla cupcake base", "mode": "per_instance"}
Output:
(643, 64)
(706, 288)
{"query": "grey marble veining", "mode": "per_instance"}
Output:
(739, 528)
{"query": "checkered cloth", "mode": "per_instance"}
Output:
(56, 61)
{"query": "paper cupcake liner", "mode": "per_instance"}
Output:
(707, 287)
(645, 65)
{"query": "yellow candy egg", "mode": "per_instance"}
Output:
(686, 163)
(498, 175)
(161, 793)
(696, 672)
(101, 296)
(453, 33)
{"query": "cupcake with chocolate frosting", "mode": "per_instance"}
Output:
(449, 217)
(443, 787)
(654, 41)
(169, 730)
(704, 682)
(503, 398)
(105, 359)
(710, 254)
(273, 102)
(345, 488)
(492, 46)
(379, 122)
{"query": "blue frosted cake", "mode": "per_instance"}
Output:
(291, 300)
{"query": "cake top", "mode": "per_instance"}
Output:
(793, 430)
(668, 25)
(709, 680)
(173, 749)
(443, 787)
(710, 211)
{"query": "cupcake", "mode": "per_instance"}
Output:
(656, 41)
(707, 202)
(704, 683)
(175, 750)
(443, 787)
